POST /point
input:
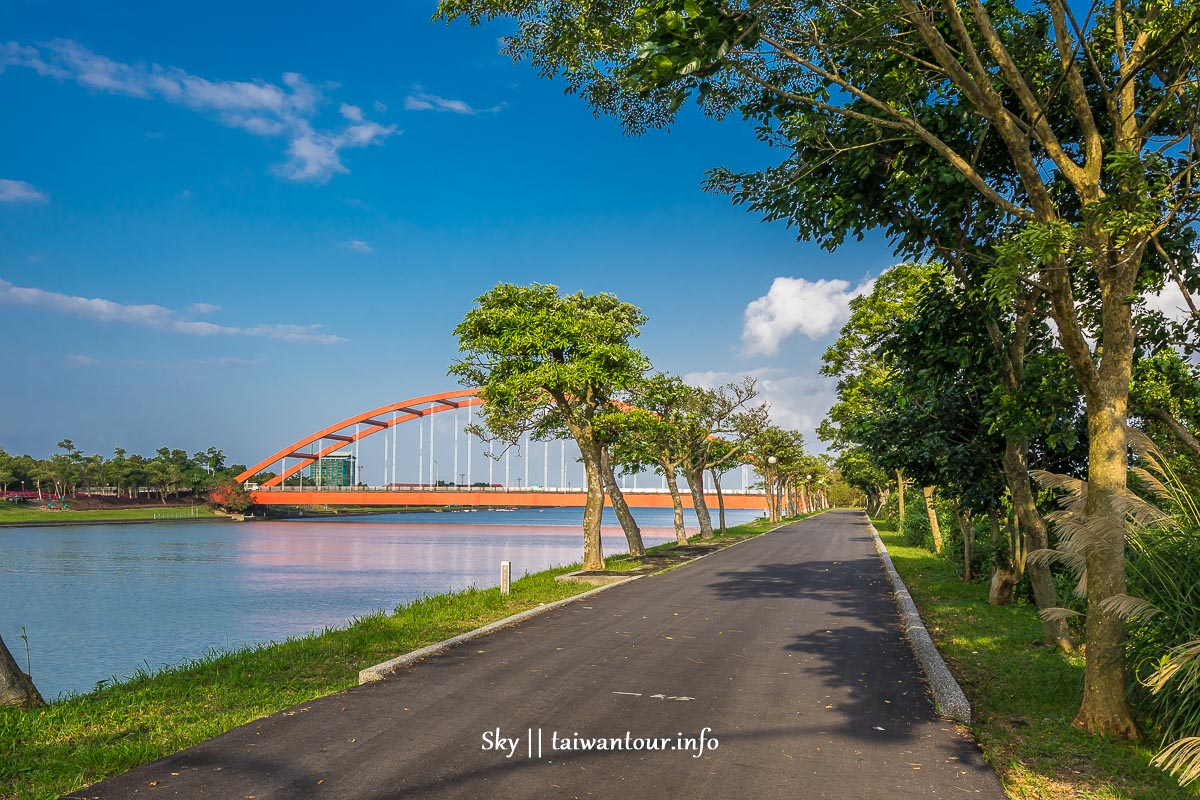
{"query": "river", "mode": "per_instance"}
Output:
(100, 601)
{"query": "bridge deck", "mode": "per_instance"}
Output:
(450, 496)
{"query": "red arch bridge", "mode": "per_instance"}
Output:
(331, 449)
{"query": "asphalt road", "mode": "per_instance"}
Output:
(784, 654)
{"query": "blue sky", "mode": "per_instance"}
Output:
(233, 225)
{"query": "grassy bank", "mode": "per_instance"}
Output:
(25, 513)
(82, 739)
(1023, 693)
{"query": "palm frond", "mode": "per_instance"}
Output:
(1057, 614)
(1183, 661)
(1180, 760)
(1128, 607)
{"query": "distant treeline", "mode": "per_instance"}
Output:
(70, 472)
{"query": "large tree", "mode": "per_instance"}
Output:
(546, 362)
(1092, 117)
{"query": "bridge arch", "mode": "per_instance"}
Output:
(347, 431)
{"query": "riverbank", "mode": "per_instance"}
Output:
(23, 515)
(82, 739)
(1023, 694)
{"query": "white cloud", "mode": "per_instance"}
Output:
(19, 192)
(203, 308)
(153, 316)
(258, 107)
(358, 246)
(217, 362)
(796, 305)
(421, 101)
(797, 402)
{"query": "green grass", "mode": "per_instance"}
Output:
(82, 739)
(1023, 693)
(28, 512)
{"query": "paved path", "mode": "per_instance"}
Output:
(786, 649)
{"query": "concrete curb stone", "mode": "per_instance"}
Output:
(948, 696)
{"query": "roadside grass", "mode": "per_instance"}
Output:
(20, 513)
(82, 739)
(1023, 694)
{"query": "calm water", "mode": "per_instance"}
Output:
(100, 601)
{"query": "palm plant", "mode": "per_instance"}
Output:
(1163, 603)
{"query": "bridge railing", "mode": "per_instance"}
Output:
(494, 489)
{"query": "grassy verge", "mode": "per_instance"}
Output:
(14, 513)
(1023, 694)
(82, 739)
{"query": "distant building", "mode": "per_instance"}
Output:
(334, 470)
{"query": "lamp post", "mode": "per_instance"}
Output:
(772, 506)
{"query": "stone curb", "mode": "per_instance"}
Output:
(948, 696)
(380, 671)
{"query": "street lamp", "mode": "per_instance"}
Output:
(771, 504)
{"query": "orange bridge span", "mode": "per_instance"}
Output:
(344, 436)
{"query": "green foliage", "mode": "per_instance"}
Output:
(169, 471)
(1022, 698)
(545, 362)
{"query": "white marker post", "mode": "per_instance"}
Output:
(505, 576)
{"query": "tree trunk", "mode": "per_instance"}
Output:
(593, 549)
(1004, 576)
(695, 479)
(933, 520)
(900, 489)
(881, 494)
(16, 688)
(872, 501)
(967, 526)
(720, 500)
(772, 506)
(677, 502)
(1016, 474)
(633, 534)
(1104, 709)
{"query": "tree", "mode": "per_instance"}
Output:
(651, 436)
(715, 425)
(1092, 124)
(232, 496)
(776, 454)
(920, 393)
(546, 362)
(7, 470)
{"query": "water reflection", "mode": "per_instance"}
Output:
(102, 600)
